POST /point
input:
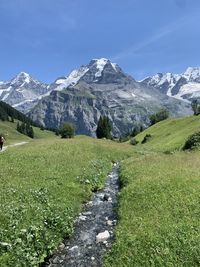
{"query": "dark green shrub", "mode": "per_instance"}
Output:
(133, 142)
(192, 142)
(146, 138)
(67, 130)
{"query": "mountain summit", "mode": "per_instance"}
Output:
(22, 92)
(97, 71)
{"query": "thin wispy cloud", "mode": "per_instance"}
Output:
(163, 32)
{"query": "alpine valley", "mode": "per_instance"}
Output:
(101, 88)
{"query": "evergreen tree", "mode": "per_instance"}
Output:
(31, 132)
(196, 107)
(104, 128)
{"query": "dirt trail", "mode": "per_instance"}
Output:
(16, 144)
(93, 233)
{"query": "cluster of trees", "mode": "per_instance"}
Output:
(25, 128)
(161, 115)
(104, 128)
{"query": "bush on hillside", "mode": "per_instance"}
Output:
(163, 114)
(67, 130)
(192, 142)
(133, 142)
(146, 138)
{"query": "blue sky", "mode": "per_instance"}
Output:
(49, 38)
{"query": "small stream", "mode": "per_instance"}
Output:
(94, 227)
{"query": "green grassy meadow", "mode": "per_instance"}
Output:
(45, 182)
(43, 185)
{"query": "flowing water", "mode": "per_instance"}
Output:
(94, 227)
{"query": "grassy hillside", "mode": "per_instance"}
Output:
(8, 129)
(170, 134)
(43, 185)
(159, 212)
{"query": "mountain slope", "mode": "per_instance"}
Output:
(185, 86)
(170, 134)
(102, 88)
(22, 92)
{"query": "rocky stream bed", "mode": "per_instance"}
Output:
(93, 234)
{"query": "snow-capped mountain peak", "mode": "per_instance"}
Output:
(22, 91)
(185, 86)
(100, 65)
(92, 73)
(191, 74)
(21, 79)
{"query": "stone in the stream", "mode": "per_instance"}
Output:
(109, 199)
(87, 213)
(106, 197)
(101, 237)
(74, 248)
(110, 223)
(92, 258)
(82, 218)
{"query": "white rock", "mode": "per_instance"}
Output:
(82, 218)
(73, 248)
(101, 237)
(109, 199)
(87, 213)
(109, 222)
(92, 258)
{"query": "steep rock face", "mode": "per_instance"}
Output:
(104, 89)
(22, 92)
(185, 86)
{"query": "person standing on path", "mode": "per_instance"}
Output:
(2, 140)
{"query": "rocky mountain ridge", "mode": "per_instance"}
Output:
(102, 88)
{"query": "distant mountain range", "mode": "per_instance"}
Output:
(185, 86)
(101, 88)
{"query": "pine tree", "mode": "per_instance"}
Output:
(195, 107)
(104, 128)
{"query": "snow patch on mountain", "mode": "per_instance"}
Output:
(191, 91)
(72, 79)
